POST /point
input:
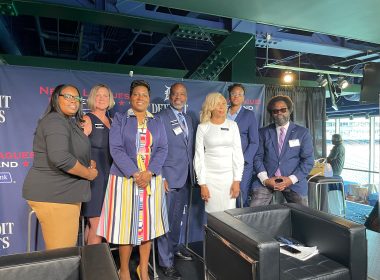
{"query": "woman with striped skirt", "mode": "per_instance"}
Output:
(134, 209)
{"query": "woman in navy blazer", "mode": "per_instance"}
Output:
(134, 209)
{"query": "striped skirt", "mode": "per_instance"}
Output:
(131, 216)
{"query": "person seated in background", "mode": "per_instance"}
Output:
(59, 180)
(336, 156)
(284, 158)
(96, 127)
(218, 160)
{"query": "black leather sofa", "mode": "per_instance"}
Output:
(240, 244)
(92, 262)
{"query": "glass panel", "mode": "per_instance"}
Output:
(355, 134)
(376, 153)
(361, 187)
(330, 130)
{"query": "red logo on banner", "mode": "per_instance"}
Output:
(11, 159)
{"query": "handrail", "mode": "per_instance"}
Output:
(353, 169)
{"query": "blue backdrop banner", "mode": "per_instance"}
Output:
(24, 95)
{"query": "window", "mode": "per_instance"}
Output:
(361, 139)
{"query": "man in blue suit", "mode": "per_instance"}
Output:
(284, 158)
(249, 136)
(178, 173)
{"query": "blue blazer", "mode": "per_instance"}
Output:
(181, 151)
(249, 134)
(297, 160)
(122, 139)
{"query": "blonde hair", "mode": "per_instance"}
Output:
(91, 97)
(210, 104)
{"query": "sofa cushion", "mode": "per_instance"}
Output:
(65, 268)
(274, 222)
(318, 267)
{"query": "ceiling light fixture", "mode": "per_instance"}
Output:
(342, 83)
(322, 81)
(288, 77)
(331, 89)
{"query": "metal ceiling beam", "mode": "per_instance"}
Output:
(130, 44)
(92, 16)
(138, 9)
(310, 70)
(72, 13)
(350, 19)
(56, 63)
(215, 63)
(153, 51)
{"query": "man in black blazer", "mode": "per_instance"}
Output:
(249, 135)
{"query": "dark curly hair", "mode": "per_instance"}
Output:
(277, 98)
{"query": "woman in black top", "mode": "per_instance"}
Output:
(96, 126)
(59, 180)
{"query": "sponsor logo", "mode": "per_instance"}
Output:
(5, 101)
(48, 91)
(15, 159)
(6, 231)
(167, 93)
(5, 177)
(252, 102)
(9, 164)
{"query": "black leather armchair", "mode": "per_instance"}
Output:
(240, 244)
(92, 262)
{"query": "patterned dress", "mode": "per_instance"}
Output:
(130, 214)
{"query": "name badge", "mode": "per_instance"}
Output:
(177, 130)
(99, 125)
(224, 128)
(174, 122)
(294, 143)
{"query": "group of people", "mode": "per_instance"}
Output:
(131, 175)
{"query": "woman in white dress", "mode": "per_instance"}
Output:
(218, 159)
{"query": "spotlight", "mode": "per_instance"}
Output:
(342, 83)
(288, 77)
(321, 80)
(332, 91)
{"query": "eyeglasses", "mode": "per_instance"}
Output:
(70, 97)
(282, 110)
(237, 94)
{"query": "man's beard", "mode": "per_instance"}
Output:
(281, 120)
(178, 107)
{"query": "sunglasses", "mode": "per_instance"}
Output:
(282, 110)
